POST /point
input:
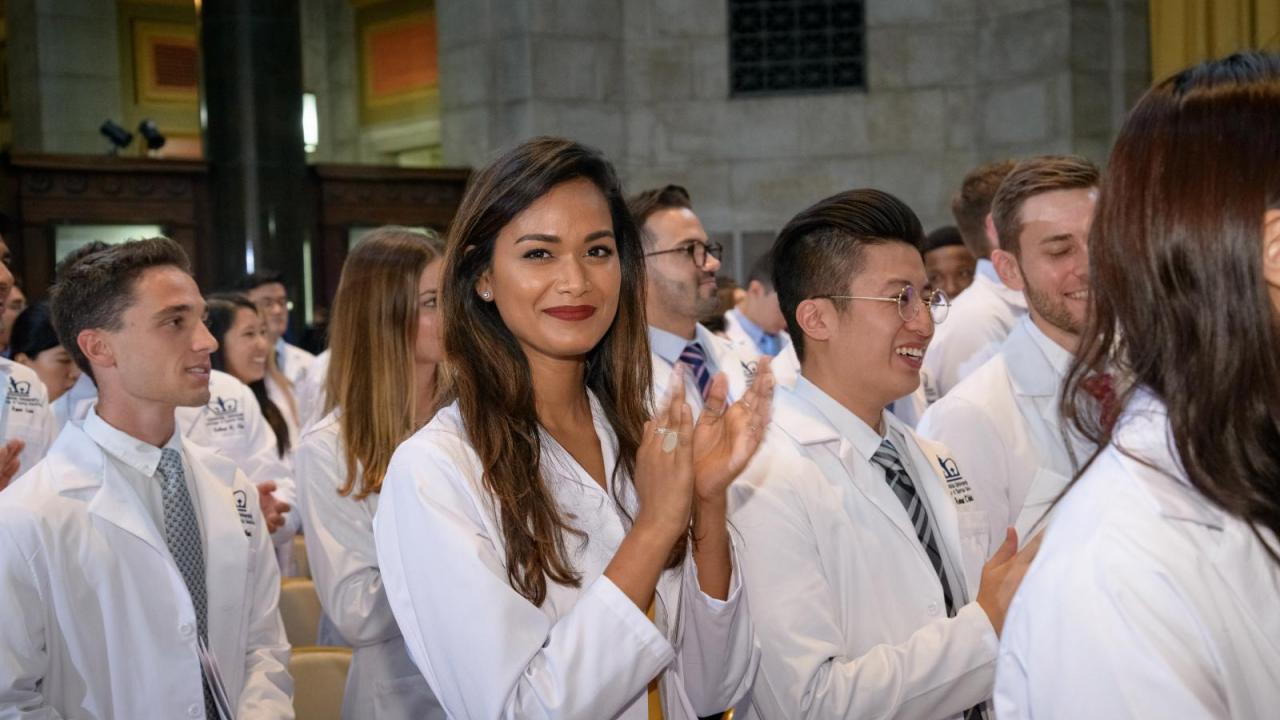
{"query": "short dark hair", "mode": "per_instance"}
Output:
(258, 278)
(762, 271)
(92, 247)
(972, 202)
(93, 291)
(646, 203)
(1032, 177)
(945, 236)
(820, 249)
(33, 331)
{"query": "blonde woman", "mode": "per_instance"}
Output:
(381, 384)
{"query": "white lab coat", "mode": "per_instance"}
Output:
(740, 370)
(740, 339)
(1004, 426)
(231, 424)
(1145, 601)
(586, 652)
(25, 413)
(297, 366)
(383, 682)
(979, 321)
(849, 610)
(311, 392)
(98, 622)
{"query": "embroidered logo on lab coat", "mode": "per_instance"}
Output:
(19, 398)
(242, 509)
(224, 416)
(961, 493)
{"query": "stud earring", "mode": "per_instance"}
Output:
(486, 295)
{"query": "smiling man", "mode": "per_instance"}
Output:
(681, 265)
(138, 574)
(1003, 420)
(853, 526)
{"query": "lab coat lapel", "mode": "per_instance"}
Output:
(79, 464)
(938, 480)
(227, 518)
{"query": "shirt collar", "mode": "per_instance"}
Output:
(987, 269)
(134, 453)
(754, 331)
(669, 346)
(851, 427)
(1059, 358)
(281, 355)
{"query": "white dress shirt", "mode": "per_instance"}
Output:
(665, 349)
(1145, 600)
(587, 651)
(382, 682)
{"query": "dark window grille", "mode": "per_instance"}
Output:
(791, 46)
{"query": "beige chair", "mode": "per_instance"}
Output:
(301, 565)
(300, 610)
(319, 678)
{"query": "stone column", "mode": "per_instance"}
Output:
(252, 56)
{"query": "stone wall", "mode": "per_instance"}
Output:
(951, 83)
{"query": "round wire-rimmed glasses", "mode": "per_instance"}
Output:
(909, 303)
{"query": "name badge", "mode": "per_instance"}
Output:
(961, 493)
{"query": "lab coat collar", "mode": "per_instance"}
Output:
(1143, 436)
(1037, 365)
(862, 436)
(137, 454)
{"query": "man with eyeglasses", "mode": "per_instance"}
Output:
(853, 526)
(1003, 420)
(681, 265)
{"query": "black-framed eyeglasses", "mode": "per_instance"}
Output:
(909, 303)
(697, 252)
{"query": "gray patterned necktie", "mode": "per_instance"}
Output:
(182, 535)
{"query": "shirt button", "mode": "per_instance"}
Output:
(195, 711)
(933, 608)
(186, 629)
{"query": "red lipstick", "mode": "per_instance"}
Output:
(571, 313)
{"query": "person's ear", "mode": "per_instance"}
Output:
(993, 238)
(1271, 247)
(96, 346)
(1007, 268)
(817, 319)
(484, 288)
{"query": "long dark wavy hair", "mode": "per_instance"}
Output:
(222, 309)
(1180, 303)
(488, 374)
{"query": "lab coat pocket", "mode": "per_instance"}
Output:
(1044, 489)
(407, 698)
(975, 545)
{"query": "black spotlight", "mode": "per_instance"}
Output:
(119, 137)
(148, 130)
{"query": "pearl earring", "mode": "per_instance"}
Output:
(486, 295)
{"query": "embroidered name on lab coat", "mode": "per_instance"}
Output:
(224, 416)
(19, 398)
(961, 493)
(242, 509)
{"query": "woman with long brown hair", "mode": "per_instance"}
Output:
(1156, 592)
(529, 527)
(381, 384)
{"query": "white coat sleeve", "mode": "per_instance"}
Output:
(24, 660)
(718, 655)
(1110, 637)
(942, 669)
(977, 445)
(485, 650)
(339, 537)
(268, 687)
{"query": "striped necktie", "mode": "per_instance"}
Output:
(696, 358)
(182, 535)
(900, 482)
